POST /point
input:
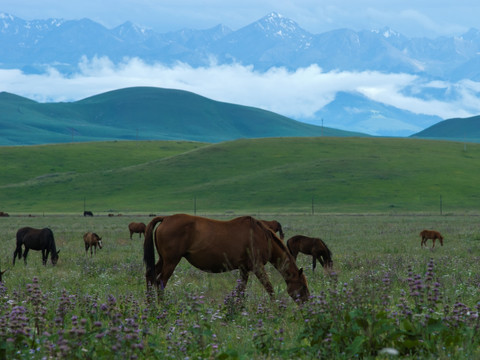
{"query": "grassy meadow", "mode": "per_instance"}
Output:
(387, 298)
(277, 175)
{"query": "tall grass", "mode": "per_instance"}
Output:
(386, 296)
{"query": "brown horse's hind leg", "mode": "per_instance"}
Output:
(242, 283)
(263, 277)
(164, 271)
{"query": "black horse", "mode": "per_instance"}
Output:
(36, 239)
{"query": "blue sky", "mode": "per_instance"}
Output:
(297, 94)
(410, 17)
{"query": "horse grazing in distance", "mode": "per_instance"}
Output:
(87, 213)
(311, 246)
(92, 240)
(275, 226)
(137, 228)
(215, 246)
(430, 234)
(36, 239)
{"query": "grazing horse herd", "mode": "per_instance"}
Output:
(243, 243)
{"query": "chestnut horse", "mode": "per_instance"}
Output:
(217, 246)
(135, 227)
(36, 239)
(430, 234)
(311, 246)
(92, 240)
(275, 226)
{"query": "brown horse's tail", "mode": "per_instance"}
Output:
(280, 231)
(290, 248)
(328, 254)
(149, 251)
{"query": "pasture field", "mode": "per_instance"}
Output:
(387, 298)
(275, 175)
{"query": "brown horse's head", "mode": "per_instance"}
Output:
(441, 239)
(297, 287)
(98, 240)
(55, 257)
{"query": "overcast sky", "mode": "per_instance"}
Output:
(409, 17)
(297, 94)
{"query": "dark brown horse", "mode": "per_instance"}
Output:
(311, 246)
(36, 239)
(430, 234)
(275, 226)
(216, 246)
(92, 240)
(137, 228)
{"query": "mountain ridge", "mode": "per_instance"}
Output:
(280, 41)
(143, 113)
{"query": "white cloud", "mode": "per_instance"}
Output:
(298, 94)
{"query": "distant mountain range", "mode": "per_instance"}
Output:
(143, 113)
(272, 41)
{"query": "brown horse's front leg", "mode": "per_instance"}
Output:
(44, 257)
(263, 277)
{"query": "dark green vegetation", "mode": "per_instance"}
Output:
(386, 293)
(459, 129)
(142, 113)
(276, 175)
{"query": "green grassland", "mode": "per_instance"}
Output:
(86, 306)
(273, 175)
(143, 113)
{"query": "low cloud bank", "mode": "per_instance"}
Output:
(297, 94)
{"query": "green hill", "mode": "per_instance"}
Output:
(458, 129)
(275, 175)
(143, 113)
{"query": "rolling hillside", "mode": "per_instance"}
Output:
(257, 176)
(142, 113)
(458, 129)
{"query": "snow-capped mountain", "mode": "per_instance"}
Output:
(272, 41)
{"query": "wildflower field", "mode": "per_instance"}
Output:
(386, 298)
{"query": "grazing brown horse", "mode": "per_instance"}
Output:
(36, 239)
(92, 240)
(311, 246)
(275, 226)
(216, 246)
(135, 227)
(430, 234)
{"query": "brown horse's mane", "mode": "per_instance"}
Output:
(272, 236)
